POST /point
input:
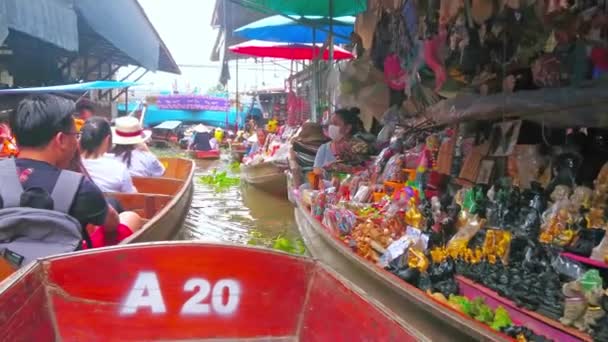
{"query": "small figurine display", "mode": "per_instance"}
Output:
(582, 307)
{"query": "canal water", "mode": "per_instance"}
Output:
(236, 214)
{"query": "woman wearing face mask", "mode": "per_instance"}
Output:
(344, 124)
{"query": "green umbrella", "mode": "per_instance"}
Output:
(316, 7)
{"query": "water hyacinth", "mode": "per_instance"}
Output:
(220, 181)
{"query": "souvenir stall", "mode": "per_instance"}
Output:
(485, 205)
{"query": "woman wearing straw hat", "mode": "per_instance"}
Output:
(130, 148)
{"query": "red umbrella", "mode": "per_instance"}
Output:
(258, 48)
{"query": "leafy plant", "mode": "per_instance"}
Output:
(220, 181)
(235, 167)
(280, 242)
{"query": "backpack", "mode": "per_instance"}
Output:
(28, 233)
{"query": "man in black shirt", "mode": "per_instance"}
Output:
(44, 128)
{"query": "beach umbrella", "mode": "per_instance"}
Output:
(286, 51)
(339, 8)
(307, 30)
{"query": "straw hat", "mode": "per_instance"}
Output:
(200, 128)
(128, 131)
(311, 132)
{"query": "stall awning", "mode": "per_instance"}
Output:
(237, 15)
(52, 21)
(306, 7)
(556, 107)
(124, 24)
(76, 87)
(170, 125)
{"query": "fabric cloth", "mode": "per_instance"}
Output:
(201, 141)
(144, 164)
(214, 144)
(89, 207)
(109, 174)
(98, 237)
(324, 156)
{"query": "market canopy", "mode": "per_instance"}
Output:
(287, 51)
(339, 8)
(307, 30)
(77, 87)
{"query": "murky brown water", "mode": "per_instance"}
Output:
(232, 215)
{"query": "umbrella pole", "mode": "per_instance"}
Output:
(236, 121)
(315, 77)
(331, 47)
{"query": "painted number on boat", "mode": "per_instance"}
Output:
(221, 298)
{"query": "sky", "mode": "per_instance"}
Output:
(185, 27)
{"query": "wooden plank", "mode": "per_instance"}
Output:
(158, 185)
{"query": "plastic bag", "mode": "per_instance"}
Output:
(567, 267)
(392, 171)
(363, 194)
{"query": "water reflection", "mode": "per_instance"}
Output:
(231, 216)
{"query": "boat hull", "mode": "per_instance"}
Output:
(190, 291)
(407, 301)
(206, 155)
(165, 224)
(267, 177)
(237, 152)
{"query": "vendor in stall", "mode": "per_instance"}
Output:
(344, 146)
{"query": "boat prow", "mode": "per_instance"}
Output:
(189, 291)
(267, 177)
(206, 155)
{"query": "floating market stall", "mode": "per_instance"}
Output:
(484, 205)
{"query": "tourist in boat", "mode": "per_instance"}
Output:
(107, 173)
(344, 125)
(45, 130)
(201, 139)
(213, 142)
(130, 148)
(85, 109)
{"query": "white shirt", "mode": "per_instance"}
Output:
(144, 164)
(109, 174)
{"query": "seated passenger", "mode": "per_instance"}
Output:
(213, 142)
(257, 142)
(46, 136)
(130, 148)
(107, 173)
(201, 139)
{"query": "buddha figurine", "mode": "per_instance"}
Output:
(438, 255)
(559, 222)
(417, 260)
(580, 199)
(559, 199)
(413, 217)
(595, 218)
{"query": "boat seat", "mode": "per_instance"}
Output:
(145, 205)
(158, 185)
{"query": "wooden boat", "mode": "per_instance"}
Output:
(237, 151)
(190, 291)
(162, 201)
(408, 302)
(414, 305)
(207, 155)
(268, 177)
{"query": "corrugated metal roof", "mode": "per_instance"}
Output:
(52, 21)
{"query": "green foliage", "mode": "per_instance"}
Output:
(280, 242)
(220, 181)
(235, 167)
